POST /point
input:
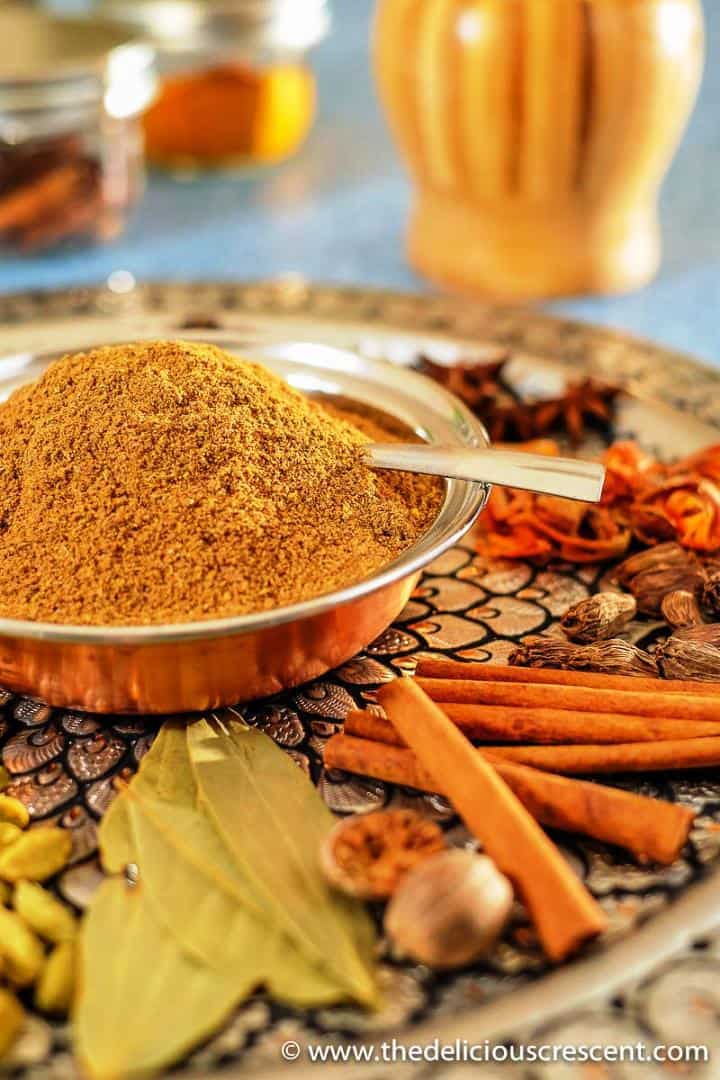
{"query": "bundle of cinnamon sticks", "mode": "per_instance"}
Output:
(538, 727)
(53, 190)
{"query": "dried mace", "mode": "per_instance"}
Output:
(598, 617)
(450, 910)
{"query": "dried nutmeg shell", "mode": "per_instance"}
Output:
(611, 657)
(711, 593)
(692, 653)
(367, 855)
(652, 574)
(651, 587)
(539, 651)
(598, 617)
(661, 556)
(680, 609)
(450, 910)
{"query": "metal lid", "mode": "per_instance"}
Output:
(54, 63)
(202, 24)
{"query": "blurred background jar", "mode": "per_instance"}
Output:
(237, 88)
(538, 133)
(71, 161)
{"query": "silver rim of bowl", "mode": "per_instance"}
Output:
(462, 504)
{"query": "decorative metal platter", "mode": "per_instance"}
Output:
(653, 976)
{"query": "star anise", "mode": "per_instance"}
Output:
(476, 382)
(582, 402)
(484, 387)
(479, 383)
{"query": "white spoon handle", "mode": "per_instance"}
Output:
(568, 477)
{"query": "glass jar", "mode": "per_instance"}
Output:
(538, 133)
(237, 90)
(71, 158)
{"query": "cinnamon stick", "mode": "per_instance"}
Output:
(494, 724)
(48, 192)
(653, 830)
(622, 757)
(584, 758)
(563, 911)
(78, 217)
(696, 706)
(453, 669)
(369, 725)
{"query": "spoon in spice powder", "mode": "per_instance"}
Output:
(567, 477)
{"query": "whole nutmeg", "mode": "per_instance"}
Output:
(449, 910)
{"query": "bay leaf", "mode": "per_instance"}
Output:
(143, 1003)
(117, 845)
(195, 886)
(272, 819)
(199, 898)
(165, 773)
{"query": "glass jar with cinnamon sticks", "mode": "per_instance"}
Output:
(71, 160)
(237, 91)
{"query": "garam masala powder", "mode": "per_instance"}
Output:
(170, 481)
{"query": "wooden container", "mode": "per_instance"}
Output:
(538, 133)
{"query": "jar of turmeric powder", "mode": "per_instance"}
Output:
(237, 90)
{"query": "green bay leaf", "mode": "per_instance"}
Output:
(117, 843)
(165, 773)
(195, 893)
(273, 821)
(195, 886)
(143, 1003)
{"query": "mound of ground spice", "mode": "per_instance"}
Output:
(170, 481)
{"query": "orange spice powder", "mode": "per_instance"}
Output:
(231, 113)
(170, 481)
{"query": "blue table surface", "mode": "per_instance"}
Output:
(336, 212)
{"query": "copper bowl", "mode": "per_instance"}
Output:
(187, 667)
